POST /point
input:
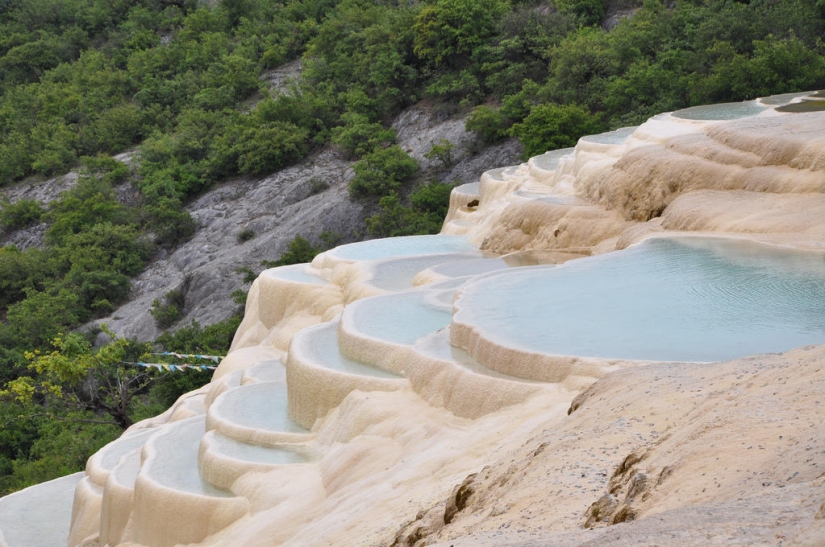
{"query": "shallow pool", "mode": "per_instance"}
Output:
(617, 136)
(258, 406)
(402, 318)
(321, 344)
(723, 111)
(686, 299)
(397, 274)
(549, 161)
(296, 273)
(175, 459)
(375, 249)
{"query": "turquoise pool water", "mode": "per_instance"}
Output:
(258, 406)
(549, 161)
(375, 249)
(617, 136)
(321, 343)
(397, 274)
(175, 463)
(297, 273)
(723, 111)
(402, 318)
(687, 299)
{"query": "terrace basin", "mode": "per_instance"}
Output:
(670, 299)
(375, 249)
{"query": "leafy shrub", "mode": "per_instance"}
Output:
(425, 215)
(269, 147)
(20, 214)
(588, 12)
(552, 126)
(170, 223)
(299, 251)
(245, 235)
(488, 123)
(442, 150)
(358, 136)
(447, 31)
(382, 172)
(317, 185)
(168, 311)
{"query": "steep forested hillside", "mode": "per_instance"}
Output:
(180, 81)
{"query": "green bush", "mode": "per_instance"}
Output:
(442, 150)
(382, 172)
(299, 251)
(448, 31)
(245, 235)
(269, 147)
(428, 205)
(552, 126)
(588, 12)
(488, 123)
(359, 137)
(20, 214)
(169, 310)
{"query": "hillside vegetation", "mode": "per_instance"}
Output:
(180, 81)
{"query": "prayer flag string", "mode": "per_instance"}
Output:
(215, 358)
(169, 367)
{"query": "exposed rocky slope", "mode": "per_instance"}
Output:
(306, 199)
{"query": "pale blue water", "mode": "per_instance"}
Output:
(375, 249)
(259, 406)
(612, 137)
(321, 343)
(111, 453)
(397, 274)
(296, 273)
(723, 111)
(401, 318)
(472, 266)
(496, 174)
(549, 161)
(175, 464)
(784, 98)
(469, 188)
(691, 299)
(438, 345)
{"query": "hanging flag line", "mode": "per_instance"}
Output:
(169, 367)
(215, 358)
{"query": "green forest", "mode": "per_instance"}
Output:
(180, 83)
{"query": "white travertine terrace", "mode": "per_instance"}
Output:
(360, 393)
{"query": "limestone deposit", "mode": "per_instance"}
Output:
(362, 404)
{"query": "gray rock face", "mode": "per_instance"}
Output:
(274, 210)
(42, 192)
(306, 199)
(420, 126)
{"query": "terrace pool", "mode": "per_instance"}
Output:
(401, 318)
(617, 136)
(320, 343)
(723, 111)
(549, 161)
(375, 249)
(686, 299)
